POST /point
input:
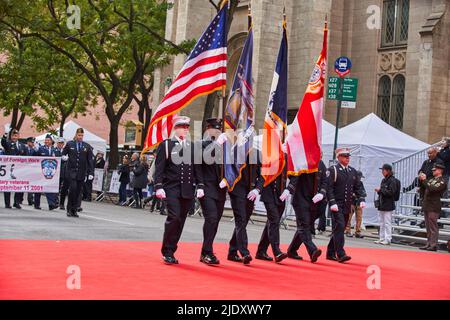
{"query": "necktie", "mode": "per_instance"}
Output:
(79, 147)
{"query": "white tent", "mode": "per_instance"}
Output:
(97, 143)
(373, 142)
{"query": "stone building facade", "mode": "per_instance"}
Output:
(400, 51)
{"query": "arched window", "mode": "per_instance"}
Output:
(398, 101)
(384, 98)
(395, 23)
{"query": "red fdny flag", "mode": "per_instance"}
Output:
(305, 134)
(204, 71)
(275, 121)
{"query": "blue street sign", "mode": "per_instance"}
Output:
(342, 66)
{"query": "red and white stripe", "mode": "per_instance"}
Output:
(199, 76)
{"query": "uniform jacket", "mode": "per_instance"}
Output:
(100, 163)
(44, 151)
(177, 179)
(386, 194)
(80, 163)
(124, 172)
(444, 155)
(13, 149)
(434, 189)
(211, 173)
(342, 186)
(250, 179)
(307, 185)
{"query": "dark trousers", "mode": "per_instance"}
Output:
(271, 232)
(17, 198)
(321, 215)
(87, 190)
(137, 195)
(242, 210)
(338, 222)
(212, 212)
(30, 198)
(123, 192)
(177, 210)
(64, 189)
(303, 233)
(52, 199)
(75, 190)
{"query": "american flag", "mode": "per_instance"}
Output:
(203, 72)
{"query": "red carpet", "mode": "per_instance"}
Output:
(32, 269)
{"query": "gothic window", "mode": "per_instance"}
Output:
(398, 101)
(395, 23)
(391, 100)
(384, 98)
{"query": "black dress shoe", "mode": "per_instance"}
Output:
(170, 260)
(246, 259)
(209, 259)
(360, 236)
(37, 208)
(432, 249)
(344, 258)
(294, 255)
(424, 248)
(234, 258)
(280, 257)
(75, 215)
(61, 207)
(79, 209)
(263, 256)
(8, 207)
(52, 207)
(333, 258)
(315, 255)
(17, 206)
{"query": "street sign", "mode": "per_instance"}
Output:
(349, 89)
(333, 88)
(348, 104)
(342, 66)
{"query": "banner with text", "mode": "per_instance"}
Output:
(29, 174)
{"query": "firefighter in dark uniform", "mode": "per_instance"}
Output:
(30, 152)
(13, 147)
(63, 186)
(175, 181)
(47, 150)
(343, 183)
(273, 196)
(243, 198)
(80, 165)
(214, 199)
(309, 191)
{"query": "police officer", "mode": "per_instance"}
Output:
(343, 182)
(47, 150)
(243, 196)
(213, 201)
(175, 180)
(80, 165)
(30, 152)
(273, 197)
(310, 190)
(13, 147)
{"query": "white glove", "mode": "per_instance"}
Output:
(284, 195)
(252, 195)
(200, 193)
(90, 177)
(222, 184)
(334, 208)
(362, 205)
(222, 138)
(160, 194)
(317, 198)
(65, 158)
